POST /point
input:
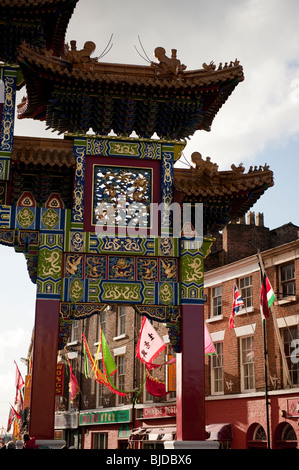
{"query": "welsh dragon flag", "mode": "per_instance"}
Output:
(267, 296)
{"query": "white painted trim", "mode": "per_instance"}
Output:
(120, 351)
(217, 336)
(246, 330)
(288, 321)
(231, 271)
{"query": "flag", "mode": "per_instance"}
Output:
(13, 414)
(19, 383)
(237, 303)
(154, 386)
(74, 385)
(209, 346)
(149, 344)
(10, 419)
(110, 366)
(267, 296)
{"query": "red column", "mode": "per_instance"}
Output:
(42, 405)
(191, 376)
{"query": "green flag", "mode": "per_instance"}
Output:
(110, 365)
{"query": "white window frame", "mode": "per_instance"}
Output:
(214, 296)
(74, 331)
(247, 286)
(100, 440)
(287, 281)
(247, 367)
(121, 322)
(120, 377)
(217, 374)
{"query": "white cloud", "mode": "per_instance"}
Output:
(15, 341)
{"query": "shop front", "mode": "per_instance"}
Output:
(67, 428)
(106, 429)
(153, 426)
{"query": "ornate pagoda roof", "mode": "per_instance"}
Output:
(42, 23)
(74, 92)
(42, 166)
(225, 195)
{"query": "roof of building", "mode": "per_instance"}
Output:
(74, 92)
(226, 195)
(42, 23)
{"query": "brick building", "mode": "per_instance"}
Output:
(235, 377)
(99, 418)
(236, 411)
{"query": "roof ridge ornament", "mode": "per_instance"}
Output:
(211, 67)
(79, 58)
(204, 167)
(167, 66)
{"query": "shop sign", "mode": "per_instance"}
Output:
(27, 391)
(293, 407)
(159, 411)
(105, 417)
(59, 379)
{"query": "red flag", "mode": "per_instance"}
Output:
(10, 420)
(263, 299)
(19, 383)
(19, 379)
(74, 386)
(237, 303)
(13, 414)
(155, 387)
(149, 344)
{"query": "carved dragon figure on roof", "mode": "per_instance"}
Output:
(167, 66)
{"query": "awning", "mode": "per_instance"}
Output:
(220, 432)
(217, 432)
(155, 433)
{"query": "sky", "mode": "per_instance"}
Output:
(258, 124)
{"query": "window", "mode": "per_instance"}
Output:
(289, 334)
(246, 291)
(153, 445)
(287, 280)
(259, 434)
(120, 377)
(100, 400)
(75, 331)
(102, 323)
(100, 440)
(247, 364)
(288, 433)
(121, 321)
(217, 369)
(217, 301)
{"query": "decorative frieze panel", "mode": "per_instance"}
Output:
(123, 279)
(119, 148)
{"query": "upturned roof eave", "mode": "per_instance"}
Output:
(93, 71)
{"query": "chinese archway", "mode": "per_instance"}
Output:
(54, 192)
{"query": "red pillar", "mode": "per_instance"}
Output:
(191, 376)
(45, 347)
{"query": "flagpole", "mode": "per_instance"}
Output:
(266, 385)
(265, 359)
